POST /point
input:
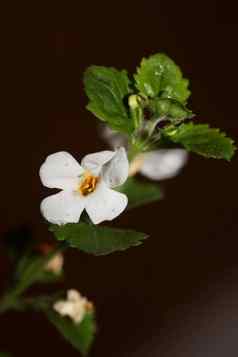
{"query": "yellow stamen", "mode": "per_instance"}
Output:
(88, 184)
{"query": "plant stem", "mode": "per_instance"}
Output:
(12, 298)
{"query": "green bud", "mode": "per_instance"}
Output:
(136, 109)
(134, 101)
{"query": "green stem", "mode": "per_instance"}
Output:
(12, 298)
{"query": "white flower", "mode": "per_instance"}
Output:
(156, 165)
(75, 306)
(55, 264)
(159, 164)
(86, 186)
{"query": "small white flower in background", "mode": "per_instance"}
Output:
(75, 306)
(159, 164)
(87, 186)
(156, 165)
(55, 264)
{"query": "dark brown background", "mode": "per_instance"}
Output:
(177, 295)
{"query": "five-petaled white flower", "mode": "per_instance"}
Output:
(86, 186)
(75, 306)
(156, 165)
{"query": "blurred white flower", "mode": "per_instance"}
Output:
(156, 165)
(86, 186)
(159, 164)
(75, 306)
(55, 264)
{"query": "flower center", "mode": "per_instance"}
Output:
(88, 184)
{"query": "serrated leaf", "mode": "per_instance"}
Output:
(81, 335)
(97, 240)
(140, 193)
(203, 140)
(106, 89)
(159, 76)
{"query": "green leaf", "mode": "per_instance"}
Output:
(31, 269)
(140, 193)
(80, 335)
(3, 354)
(106, 89)
(202, 140)
(97, 240)
(159, 76)
(169, 108)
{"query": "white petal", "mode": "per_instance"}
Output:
(163, 164)
(73, 295)
(115, 172)
(64, 308)
(63, 207)
(60, 170)
(74, 306)
(94, 162)
(55, 264)
(105, 204)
